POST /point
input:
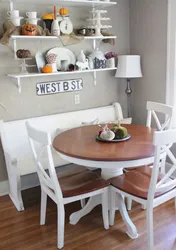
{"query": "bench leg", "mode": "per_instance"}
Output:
(15, 191)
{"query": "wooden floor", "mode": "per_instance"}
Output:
(21, 230)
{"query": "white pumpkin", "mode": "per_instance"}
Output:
(107, 135)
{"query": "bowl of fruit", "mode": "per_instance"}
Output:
(116, 133)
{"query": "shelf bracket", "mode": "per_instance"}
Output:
(18, 84)
(96, 44)
(15, 47)
(95, 78)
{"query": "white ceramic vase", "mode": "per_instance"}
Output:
(81, 57)
(55, 29)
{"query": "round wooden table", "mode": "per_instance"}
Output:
(79, 146)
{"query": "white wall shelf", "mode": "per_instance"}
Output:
(95, 39)
(18, 77)
(71, 3)
(55, 37)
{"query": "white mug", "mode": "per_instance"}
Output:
(31, 14)
(16, 21)
(110, 63)
(13, 13)
(32, 21)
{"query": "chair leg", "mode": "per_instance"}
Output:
(129, 203)
(132, 231)
(105, 209)
(83, 203)
(112, 207)
(175, 201)
(43, 207)
(150, 227)
(60, 226)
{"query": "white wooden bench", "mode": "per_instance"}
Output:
(18, 155)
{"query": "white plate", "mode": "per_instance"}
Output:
(40, 61)
(63, 54)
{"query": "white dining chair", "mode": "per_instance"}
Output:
(154, 108)
(149, 190)
(77, 185)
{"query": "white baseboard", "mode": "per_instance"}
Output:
(4, 188)
(28, 181)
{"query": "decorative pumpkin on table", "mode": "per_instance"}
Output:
(47, 69)
(119, 131)
(116, 133)
(29, 30)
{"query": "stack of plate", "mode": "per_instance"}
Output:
(63, 56)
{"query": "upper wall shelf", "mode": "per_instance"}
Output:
(55, 37)
(71, 3)
(95, 39)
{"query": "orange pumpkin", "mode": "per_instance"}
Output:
(47, 69)
(29, 30)
(63, 11)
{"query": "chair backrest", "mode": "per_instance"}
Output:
(162, 141)
(49, 182)
(152, 108)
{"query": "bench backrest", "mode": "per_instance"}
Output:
(15, 135)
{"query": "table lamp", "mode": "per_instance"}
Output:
(129, 66)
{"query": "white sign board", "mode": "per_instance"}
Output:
(49, 88)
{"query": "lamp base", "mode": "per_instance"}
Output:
(128, 91)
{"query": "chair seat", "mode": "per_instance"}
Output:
(136, 182)
(80, 180)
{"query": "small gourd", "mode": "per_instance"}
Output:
(47, 69)
(119, 131)
(29, 30)
(63, 11)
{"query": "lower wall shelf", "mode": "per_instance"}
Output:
(18, 77)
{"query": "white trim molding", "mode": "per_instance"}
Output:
(171, 57)
(28, 181)
(4, 188)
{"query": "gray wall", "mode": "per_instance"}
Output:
(28, 104)
(148, 34)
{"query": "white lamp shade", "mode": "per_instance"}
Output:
(129, 67)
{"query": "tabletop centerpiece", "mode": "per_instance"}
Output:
(116, 133)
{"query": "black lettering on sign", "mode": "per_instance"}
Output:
(42, 88)
(73, 85)
(77, 81)
(65, 86)
(48, 88)
(53, 90)
(60, 86)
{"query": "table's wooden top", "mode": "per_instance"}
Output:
(81, 143)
